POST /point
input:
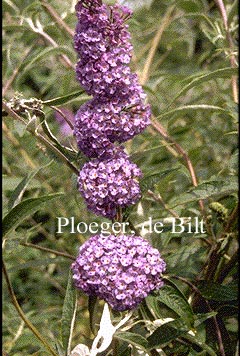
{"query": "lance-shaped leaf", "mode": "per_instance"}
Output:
(92, 306)
(173, 298)
(148, 182)
(206, 190)
(218, 292)
(202, 78)
(63, 99)
(68, 314)
(23, 210)
(166, 333)
(189, 109)
(133, 339)
(17, 194)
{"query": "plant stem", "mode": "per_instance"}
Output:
(57, 18)
(164, 23)
(227, 268)
(57, 253)
(217, 329)
(38, 29)
(159, 199)
(233, 63)
(41, 138)
(158, 127)
(64, 116)
(22, 315)
(15, 72)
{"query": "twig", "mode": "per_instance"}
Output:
(16, 144)
(40, 138)
(217, 329)
(181, 152)
(59, 154)
(233, 63)
(230, 222)
(15, 72)
(64, 116)
(211, 267)
(22, 315)
(57, 18)
(164, 23)
(39, 29)
(57, 253)
(227, 268)
(159, 199)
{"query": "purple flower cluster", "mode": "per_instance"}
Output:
(122, 269)
(103, 44)
(117, 111)
(109, 184)
(101, 123)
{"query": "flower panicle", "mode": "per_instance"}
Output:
(122, 270)
(117, 112)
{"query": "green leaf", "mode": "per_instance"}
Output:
(63, 99)
(125, 351)
(201, 344)
(23, 210)
(173, 298)
(59, 348)
(132, 338)
(196, 353)
(152, 305)
(186, 261)
(200, 318)
(189, 5)
(232, 11)
(166, 333)
(69, 153)
(148, 182)
(9, 4)
(45, 54)
(68, 313)
(139, 154)
(189, 108)
(17, 194)
(40, 262)
(233, 162)
(218, 292)
(10, 183)
(15, 28)
(219, 73)
(92, 305)
(206, 190)
(33, 7)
